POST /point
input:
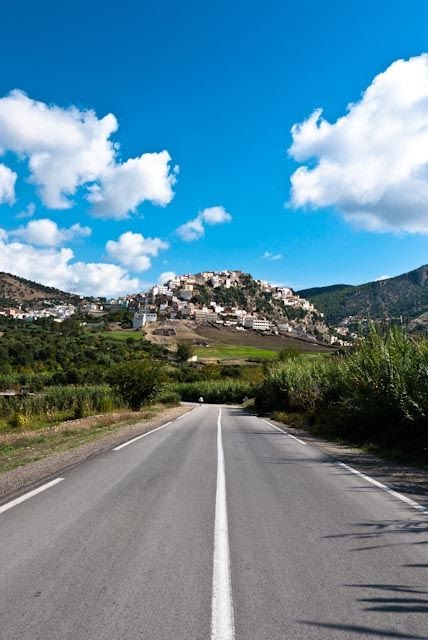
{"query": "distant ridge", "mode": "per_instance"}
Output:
(403, 296)
(19, 291)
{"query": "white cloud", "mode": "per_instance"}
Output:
(372, 163)
(45, 232)
(133, 250)
(123, 187)
(215, 215)
(194, 229)
(272, 256)
(57, 268)
(70, 148)
(28, 212)
(191, 230)
(383, 278)
(7, 184)
(166, 276)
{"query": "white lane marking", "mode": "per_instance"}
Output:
(285, 432)
(30, 494)
(391, 492)
(143, 435)
(187, 413)
(222, 619)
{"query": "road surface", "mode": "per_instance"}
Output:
(218, 526)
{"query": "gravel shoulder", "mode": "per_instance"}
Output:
(24, 478)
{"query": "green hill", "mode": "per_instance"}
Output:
(405, 295)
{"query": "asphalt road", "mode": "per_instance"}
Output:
(216, 526)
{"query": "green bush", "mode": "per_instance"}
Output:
(17, 420)
(376, 394)
(297, 385)
(77, 401)
(137, 382)
(184, 351)
(168, 397)
(215, 391)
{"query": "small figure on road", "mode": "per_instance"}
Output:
(201, 400)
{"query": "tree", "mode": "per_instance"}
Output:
(137, 382)
(184, 351)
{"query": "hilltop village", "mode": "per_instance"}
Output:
(229, 298)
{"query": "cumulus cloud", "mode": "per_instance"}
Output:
(70, 148)
(134, 250)
(57, 268)
(194, 229)
(372, 163)
(7, 185)
(45, 232)
(272, 256)
(191, 230)
(123, 187)
(166, 276)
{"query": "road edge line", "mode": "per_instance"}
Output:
(29, 494)
(384, 487)
(143, 435)
(284, 432)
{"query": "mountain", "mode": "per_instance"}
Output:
(15, 291)
(403, 296)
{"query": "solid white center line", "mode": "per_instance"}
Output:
(143, 435)
(222, 620)
(284, 432)
(30, 494)
(391, 492)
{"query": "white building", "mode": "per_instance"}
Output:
(261, 325)
(141, 319)
(203, 315)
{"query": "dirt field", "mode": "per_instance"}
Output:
(189, 332)
(227, 336)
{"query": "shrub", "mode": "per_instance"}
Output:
(168, 397)
(215, 391)
(296, 385)
(377, 394)
(184, 351)
(17, 420)
(137, 382)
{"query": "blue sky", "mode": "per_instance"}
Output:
(219, 87)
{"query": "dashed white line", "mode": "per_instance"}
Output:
(143, 435)
(284, 432)
(222, 618)
(30, 494)
(391, 492)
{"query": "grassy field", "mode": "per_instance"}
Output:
(123, 335)
(229, 352)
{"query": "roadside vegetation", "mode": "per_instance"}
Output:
(376, 395)
(215, 391)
